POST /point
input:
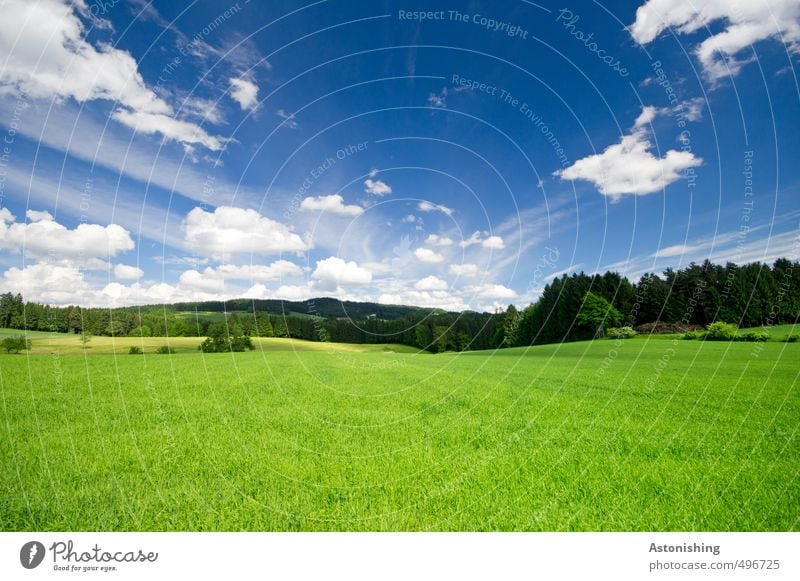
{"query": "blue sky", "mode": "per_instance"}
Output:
(456, 154)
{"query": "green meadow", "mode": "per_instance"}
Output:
(594, 436)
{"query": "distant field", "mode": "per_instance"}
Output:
(649, 435)
(70, 344)
(777, 332)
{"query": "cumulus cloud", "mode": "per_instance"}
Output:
(334, 272)
(293, 292)
(629, 167)
(45, 54)
(431, 283)
(430, 207)
(376, 187)
(47, 283)
(245, 93)
(428, 255)
(493, 242)
(36, 216)
(466, 270)
(333, 204)
(491, 291)
(431, 299)
(745, 22)
(43, 236)
(230, 230)
(275, 271)
(125, 272)
(193, 280)
(436, 240)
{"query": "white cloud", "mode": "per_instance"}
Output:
(431, 283)
(36, 216)
(45, 54)
(409, 219)
(493, 243)
(436, 240)
(229, 230)
(428, 255)
(377, 187)
(692, 109)
(676, 250)
(745, 23)
(293, 293)
(245, 93)
(46, 237)
(333, 204)
(438, 100)
(184, 131)
(466, 270)
(252, 272)
(333, 272)
(629, 167)
(433, 299)
(491, 291)
(475, 238)
(125, 272)
(257, 291)
(429, 207)
(47, 283)
(289, 119)
(193, 280)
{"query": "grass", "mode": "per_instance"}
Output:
(647, 435)
(70, 344)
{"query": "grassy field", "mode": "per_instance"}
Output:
(650, 435)
(70, 344)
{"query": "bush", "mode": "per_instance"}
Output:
(165, 350)
(621, 333)
(692, 335)
(220, 340)
(720, 331)
(754, 336)
(135, 350)
(16, 344)
(793, 338)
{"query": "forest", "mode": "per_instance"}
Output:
(751, 295)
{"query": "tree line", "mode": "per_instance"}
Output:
(571, 308)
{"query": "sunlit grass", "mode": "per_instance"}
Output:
(649, 435)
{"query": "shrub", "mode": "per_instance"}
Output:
(720, 331)
(692, 335)
(220, 340)
(16, 344)
(621, 333)
(135, 350)
(165, 350)
(753, 336)
(792, 338)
